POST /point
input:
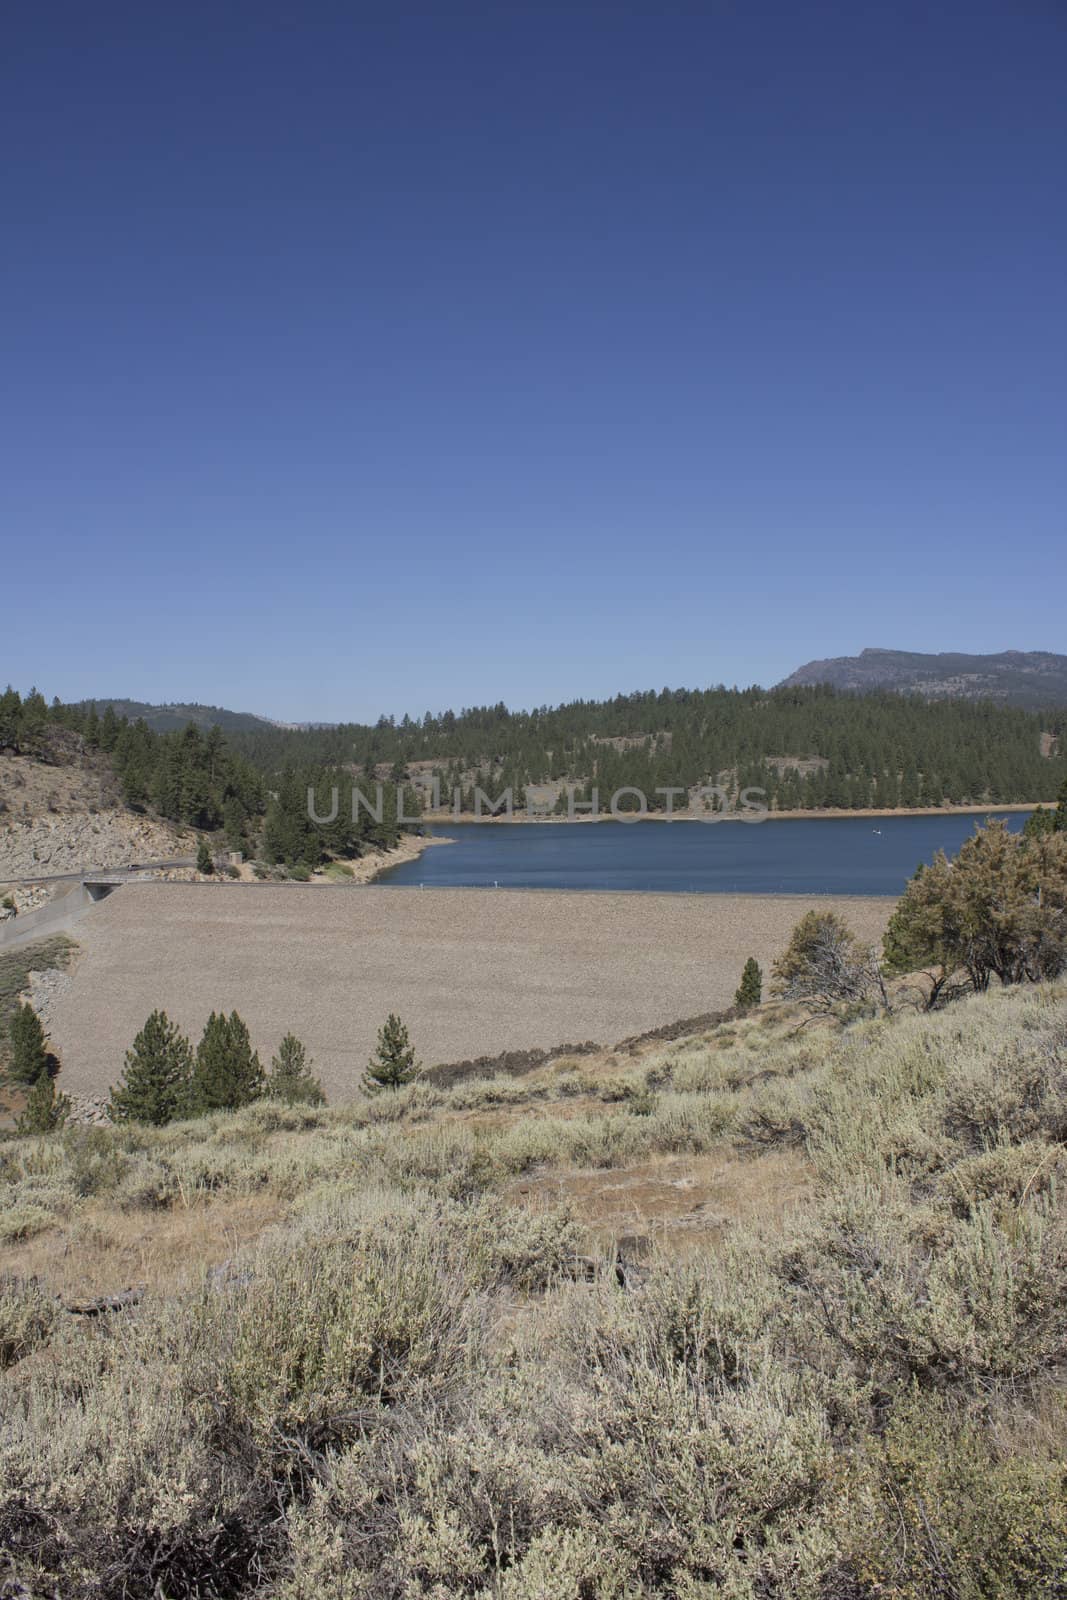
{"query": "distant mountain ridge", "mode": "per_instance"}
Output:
(168, 718)
(1029, 678)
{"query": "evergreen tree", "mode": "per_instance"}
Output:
(393, 1063)
(919, 933)
(213, 752)
(816, 933)
(45, 1110)
(167, 782)
(1039, 822)
(157, 1079)
(227, 1073)
(109, 729)
(289, 835)
(999, 908)
(10, 718)
(204, 860)
(233, 819)
(290, 1077)
(31, 1058)
(750, 990)
(34, 719)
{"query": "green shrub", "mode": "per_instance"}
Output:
(324, 1331)
(957, 1302)
(1019, 1094)
(412, 1386)
(1010, 1173)
(528, 1249)
(936, 1509)
(24, 1222)
(27, 1317)
(95, 1162)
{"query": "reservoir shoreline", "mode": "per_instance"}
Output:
(831, 813)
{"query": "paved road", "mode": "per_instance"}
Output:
(71, 900)
(92, 872)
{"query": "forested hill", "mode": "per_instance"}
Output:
(172, 718)
(807, 747)
(1032, 679)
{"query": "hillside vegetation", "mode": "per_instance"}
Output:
(806, 748)
(190, 778)
(777, 1307)
(412, 1371)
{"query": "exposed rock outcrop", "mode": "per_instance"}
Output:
(56, 844)
(43, 989)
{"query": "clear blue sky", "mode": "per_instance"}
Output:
(359, 358)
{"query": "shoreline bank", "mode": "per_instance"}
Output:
(369, 868)
(830, 813)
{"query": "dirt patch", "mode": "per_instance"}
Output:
(409, 847)
(802, 765)
(677, 1204)
(103, 1250)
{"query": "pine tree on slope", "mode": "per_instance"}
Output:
(45, 1110)
(750, 990)
(227, 1073)
(157, 1080)
(31, 1058)
(393, 1063)
(291, 1079)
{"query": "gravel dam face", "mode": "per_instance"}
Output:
(471, 971)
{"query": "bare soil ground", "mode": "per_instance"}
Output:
(681, 1204)
(408, 848)
(104, 1249)
(471, 971)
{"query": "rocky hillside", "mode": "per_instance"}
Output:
(61, 811)
(71, 843)
(1034, 679)
(60, 777)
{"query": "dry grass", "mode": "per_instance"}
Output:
(676, 1206)
(841, 1376)
(102, 1248)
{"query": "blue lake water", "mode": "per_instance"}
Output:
(816, 855)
